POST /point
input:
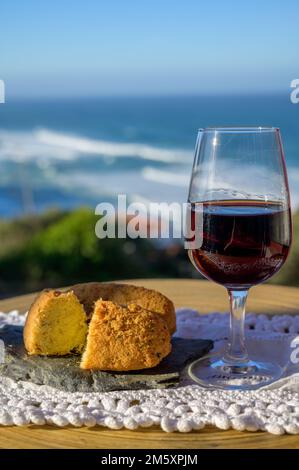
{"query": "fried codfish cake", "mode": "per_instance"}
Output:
(125, 338)
(56, 325)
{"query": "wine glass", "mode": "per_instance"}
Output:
(240, 222)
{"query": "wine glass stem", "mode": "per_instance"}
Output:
(236, 350)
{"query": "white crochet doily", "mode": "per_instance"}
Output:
(188, 407)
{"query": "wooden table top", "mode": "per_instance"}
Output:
(205, 297)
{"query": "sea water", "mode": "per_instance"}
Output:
(70, 152)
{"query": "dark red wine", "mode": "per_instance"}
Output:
(242, 243)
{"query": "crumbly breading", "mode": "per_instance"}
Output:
(125, 338)
(125, 294)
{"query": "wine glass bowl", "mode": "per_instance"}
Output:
(241, 246)
(241, 223)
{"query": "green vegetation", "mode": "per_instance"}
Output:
(60, 248)
(289, 273)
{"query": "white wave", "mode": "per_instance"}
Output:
(166, 177)
(21, 146)
(117, 182)
(46, 144)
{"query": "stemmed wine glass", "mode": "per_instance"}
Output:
(240, 222)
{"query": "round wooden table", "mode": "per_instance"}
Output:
(206, 297)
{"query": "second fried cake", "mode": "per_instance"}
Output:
(125, 338)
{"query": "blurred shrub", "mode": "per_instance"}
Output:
(60, 248)
(57, 249)
(289, 273)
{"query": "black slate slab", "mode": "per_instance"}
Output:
(64, 373)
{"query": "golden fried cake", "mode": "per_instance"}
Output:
(130, 326)
(56, 324)
(125, 338)
(125, 294)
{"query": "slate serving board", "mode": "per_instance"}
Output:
(64, 373)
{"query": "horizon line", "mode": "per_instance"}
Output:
(209, 94)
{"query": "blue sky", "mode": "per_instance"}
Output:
(107, 47)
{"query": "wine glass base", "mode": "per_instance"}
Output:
(214, 372)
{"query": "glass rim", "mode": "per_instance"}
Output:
(239, 129)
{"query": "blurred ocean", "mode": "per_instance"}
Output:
(73, 152)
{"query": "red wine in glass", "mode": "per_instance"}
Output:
(239, 232)
(243, 242)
